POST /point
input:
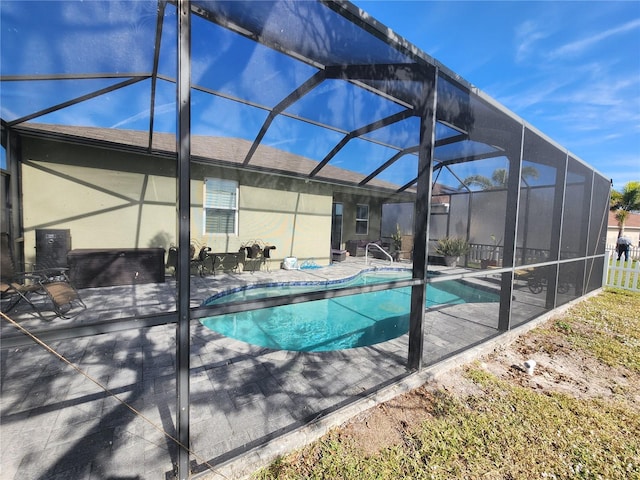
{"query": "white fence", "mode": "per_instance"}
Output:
(621, 274)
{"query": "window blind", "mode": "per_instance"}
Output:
(220, 205)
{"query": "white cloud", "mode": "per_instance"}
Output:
(527, 34)
(577, 47)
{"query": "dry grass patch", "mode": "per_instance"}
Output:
(578, 416)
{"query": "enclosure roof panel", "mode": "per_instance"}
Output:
(257, 69)
(68, 37)
(310, 30)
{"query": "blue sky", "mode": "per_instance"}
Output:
(571, 69)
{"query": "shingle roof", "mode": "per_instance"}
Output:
(633, 220)
(218, 150)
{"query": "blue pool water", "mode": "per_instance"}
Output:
(337, 323)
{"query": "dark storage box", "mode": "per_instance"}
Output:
(121, 266)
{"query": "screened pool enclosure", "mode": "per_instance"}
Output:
(165, 153)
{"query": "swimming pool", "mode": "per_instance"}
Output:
(333, 324)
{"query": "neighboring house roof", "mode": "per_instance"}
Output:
(633, 220)
(215, 150)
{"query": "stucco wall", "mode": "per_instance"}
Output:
(82, 189)
(350, 202)
(111, 199)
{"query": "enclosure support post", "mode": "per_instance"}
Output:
(183, 147)
(588, 253)
(427, 111)
(510, 231)
(13, 148)
(556, 233)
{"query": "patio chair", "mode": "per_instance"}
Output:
(172, 260)
(256, 254)
(52, 283)
(200, 263)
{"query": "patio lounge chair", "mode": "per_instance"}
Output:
(52, 283)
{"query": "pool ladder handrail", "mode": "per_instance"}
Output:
(366, 252)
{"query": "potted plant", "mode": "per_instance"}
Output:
(451, 248)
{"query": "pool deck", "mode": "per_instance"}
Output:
(248, 403)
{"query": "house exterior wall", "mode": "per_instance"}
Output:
(630, 232)
(298, 224)
(631, 229)
(70, 187)
(350, 202)
(84, 189)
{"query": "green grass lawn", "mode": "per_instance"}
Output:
(507, 431)
(620, 263)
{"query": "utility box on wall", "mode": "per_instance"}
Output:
(52, 246)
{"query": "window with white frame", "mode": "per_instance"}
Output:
(220, 208)
(362, 219)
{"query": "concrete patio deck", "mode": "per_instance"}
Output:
(247, 402)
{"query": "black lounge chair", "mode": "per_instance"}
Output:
(52, 283)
